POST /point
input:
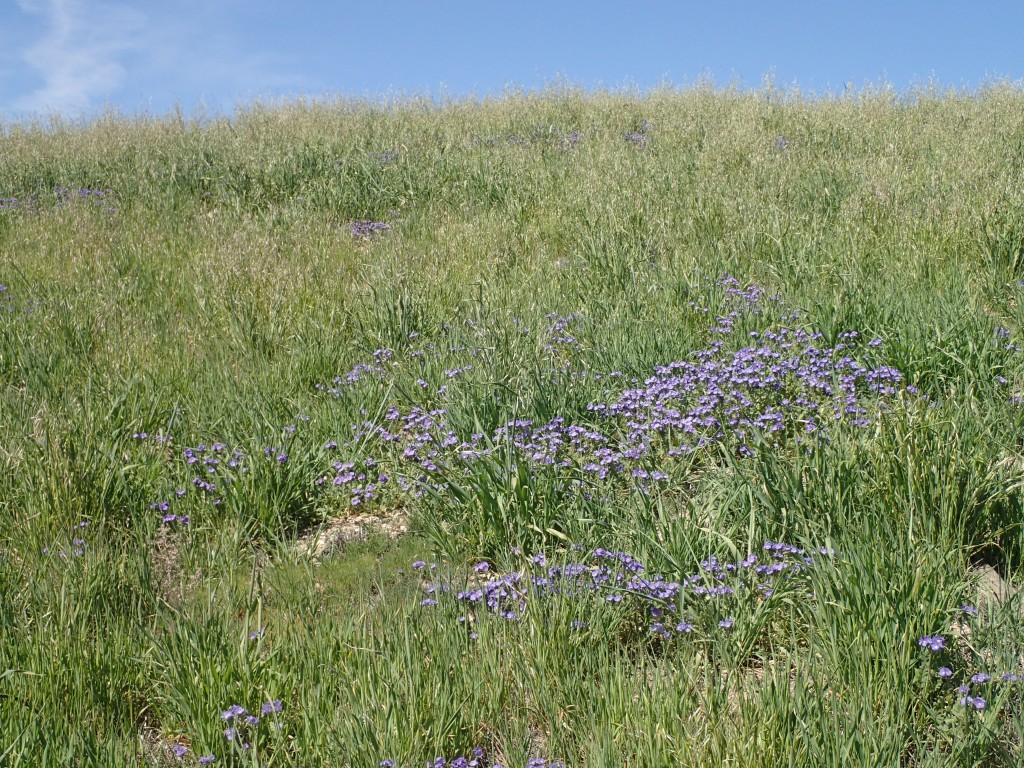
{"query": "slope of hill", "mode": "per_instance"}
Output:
(674, 429)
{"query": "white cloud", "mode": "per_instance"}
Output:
(91, 52)
(80, 56)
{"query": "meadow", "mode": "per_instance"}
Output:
(679, 428)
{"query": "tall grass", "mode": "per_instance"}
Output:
(207, 355)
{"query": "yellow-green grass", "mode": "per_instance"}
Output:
(215, 289)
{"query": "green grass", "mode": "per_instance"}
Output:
(215, 291)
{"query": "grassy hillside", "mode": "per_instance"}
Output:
(700, 415)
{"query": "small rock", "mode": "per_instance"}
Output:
(993, 590)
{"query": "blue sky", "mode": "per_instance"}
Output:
(80, 56)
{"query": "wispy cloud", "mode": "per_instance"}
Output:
(80, 56)
(88, 53)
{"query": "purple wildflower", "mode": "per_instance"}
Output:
(232, 712)
(272, 707)
(976, 702)
(366, 229)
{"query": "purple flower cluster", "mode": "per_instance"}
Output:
(14, 203)
(180, 519)
(975, 702)
(163, 509)
(640, 137)
(383, 361)
(558, 331)
(6, 297)
(236, 711)
(67, 194)
(362, 483)
(571, 141)
(213, 462)
(1001, 335)
(178, 750)
(686, 407)
(97, 197)
(737, 302)
(211, 457)
(967, 697)
(64, 196)
(476, 759)
(784, 387)
(242, 724)
(10, 304)
(784, 382)
(215, 466)
(419, 436)
(933, 643)
(77, 547)
(367, 229)
(617, 578)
